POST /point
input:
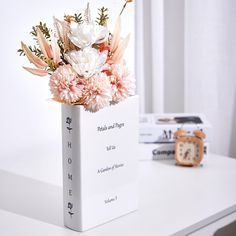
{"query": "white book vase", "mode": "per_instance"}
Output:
(99, 163)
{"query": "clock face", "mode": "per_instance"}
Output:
(189, 151)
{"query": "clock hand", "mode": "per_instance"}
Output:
(187, 153)
(165, 133)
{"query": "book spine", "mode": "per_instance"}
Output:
(167, 152)
(162, 151)
(163, 134)
(71, 167)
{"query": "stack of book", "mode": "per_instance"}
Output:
(156, 133)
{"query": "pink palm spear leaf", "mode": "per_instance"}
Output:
(118, 46)
(50, 58)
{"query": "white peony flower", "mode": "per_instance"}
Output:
(86, 34)
(88, 61)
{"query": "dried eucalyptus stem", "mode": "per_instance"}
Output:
(124, 6)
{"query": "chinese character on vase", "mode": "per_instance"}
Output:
(83, 59)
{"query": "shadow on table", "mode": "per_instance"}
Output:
(229, 230)
(169, 162)
(31, 198)
(172, 162)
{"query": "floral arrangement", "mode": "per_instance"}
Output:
(83, 59)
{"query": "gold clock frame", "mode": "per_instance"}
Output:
(181, 136)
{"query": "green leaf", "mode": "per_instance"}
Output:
(102, 16)
(78, 18)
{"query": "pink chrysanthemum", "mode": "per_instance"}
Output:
(65, 85)
(97, 92)
(123, 84)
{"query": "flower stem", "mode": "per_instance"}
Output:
(123, 7)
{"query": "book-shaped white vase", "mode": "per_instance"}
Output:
(99, 163)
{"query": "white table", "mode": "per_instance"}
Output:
(173, 200)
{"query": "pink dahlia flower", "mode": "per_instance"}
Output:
(65, 85)
(97, 92)
(123, 84)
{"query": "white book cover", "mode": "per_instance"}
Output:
(99, 163)
(160, 128)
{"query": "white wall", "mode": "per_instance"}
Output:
(28, 120)
(163, 57)
(195, 67)
(174, 55)
(210, 68)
